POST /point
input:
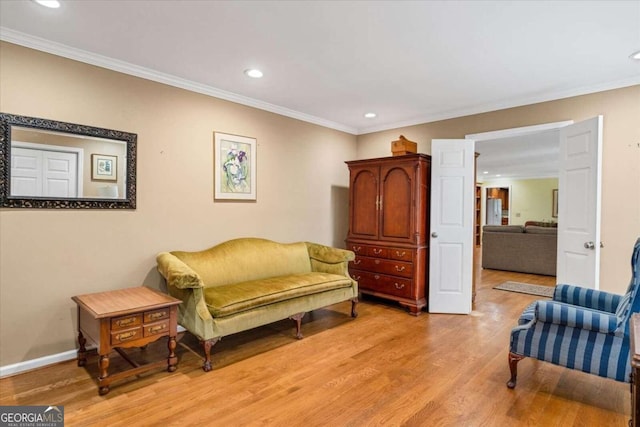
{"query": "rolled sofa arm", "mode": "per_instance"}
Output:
(329, 255)
(185, 284)
(177, 273)
(329, 260)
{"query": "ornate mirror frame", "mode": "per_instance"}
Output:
(7, 121)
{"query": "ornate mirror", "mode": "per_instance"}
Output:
(56, 165)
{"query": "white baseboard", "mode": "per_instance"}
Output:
(40, 362)
(28, 365)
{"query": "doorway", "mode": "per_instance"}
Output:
(578, 194)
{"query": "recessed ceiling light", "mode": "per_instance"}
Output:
(498, 174)
(485, 172)
(53, 4)
(253, 73)
(635, 55)
(370, 115)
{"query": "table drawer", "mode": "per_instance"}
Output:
(120, 337)
(382, 283)
(377, 265)
(156, 328)
(126, 322)
(153, 316)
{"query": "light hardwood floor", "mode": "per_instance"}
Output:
(383, 368)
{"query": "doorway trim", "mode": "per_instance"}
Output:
(525, 130)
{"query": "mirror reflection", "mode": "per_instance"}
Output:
(49, 164)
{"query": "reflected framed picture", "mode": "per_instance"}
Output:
(234, 170)
(554, 203)
(104, 167)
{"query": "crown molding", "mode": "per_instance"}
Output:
(80, 55)
(65, 51)
(501, 105)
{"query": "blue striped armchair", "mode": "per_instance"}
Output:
(579, 328)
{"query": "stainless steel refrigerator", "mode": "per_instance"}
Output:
(494, 211)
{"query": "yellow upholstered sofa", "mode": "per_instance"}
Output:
(249, 282)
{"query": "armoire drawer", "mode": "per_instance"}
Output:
(382, 283)
(386, 266)
(401, 254)
(370, 250)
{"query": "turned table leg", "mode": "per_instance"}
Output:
(172, 360)
(82, 351)
(104, 366)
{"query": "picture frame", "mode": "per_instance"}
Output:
(235, 167)
(104, 167)
(554, 203)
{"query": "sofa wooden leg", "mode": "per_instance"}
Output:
(207, 344)
(298, 319)
(513, 367)
(354, 303)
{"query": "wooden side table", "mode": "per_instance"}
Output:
(125, 318)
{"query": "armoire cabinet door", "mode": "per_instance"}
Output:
(397, 202)
(364, 218)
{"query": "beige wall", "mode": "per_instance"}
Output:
(620, 160)
(47, 256)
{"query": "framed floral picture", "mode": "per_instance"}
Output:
(554, 203)
(104, 167)
(234, 159)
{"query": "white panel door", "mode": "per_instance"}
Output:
(60, 174)
(579, 203)
(43, 173)
(26, 172)
(451, 240)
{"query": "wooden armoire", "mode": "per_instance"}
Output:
(389, 228)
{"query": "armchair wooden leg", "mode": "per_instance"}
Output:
(513, 367)
(207, 344)
(298, 319)
(354, 303)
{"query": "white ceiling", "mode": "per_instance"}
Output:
(329, 62)
(533, 155)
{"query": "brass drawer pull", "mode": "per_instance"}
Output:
(126, 322)
(126, 336)
(400, 254)
(376, 277)
(377, 251)
(157, 315)
(377, 261)
(357, 248)
(356, 262)
(399, 286)
(399, 269)
(154, 329)
(357, 278)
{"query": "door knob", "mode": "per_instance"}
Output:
(589, 245)
(434, 234)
